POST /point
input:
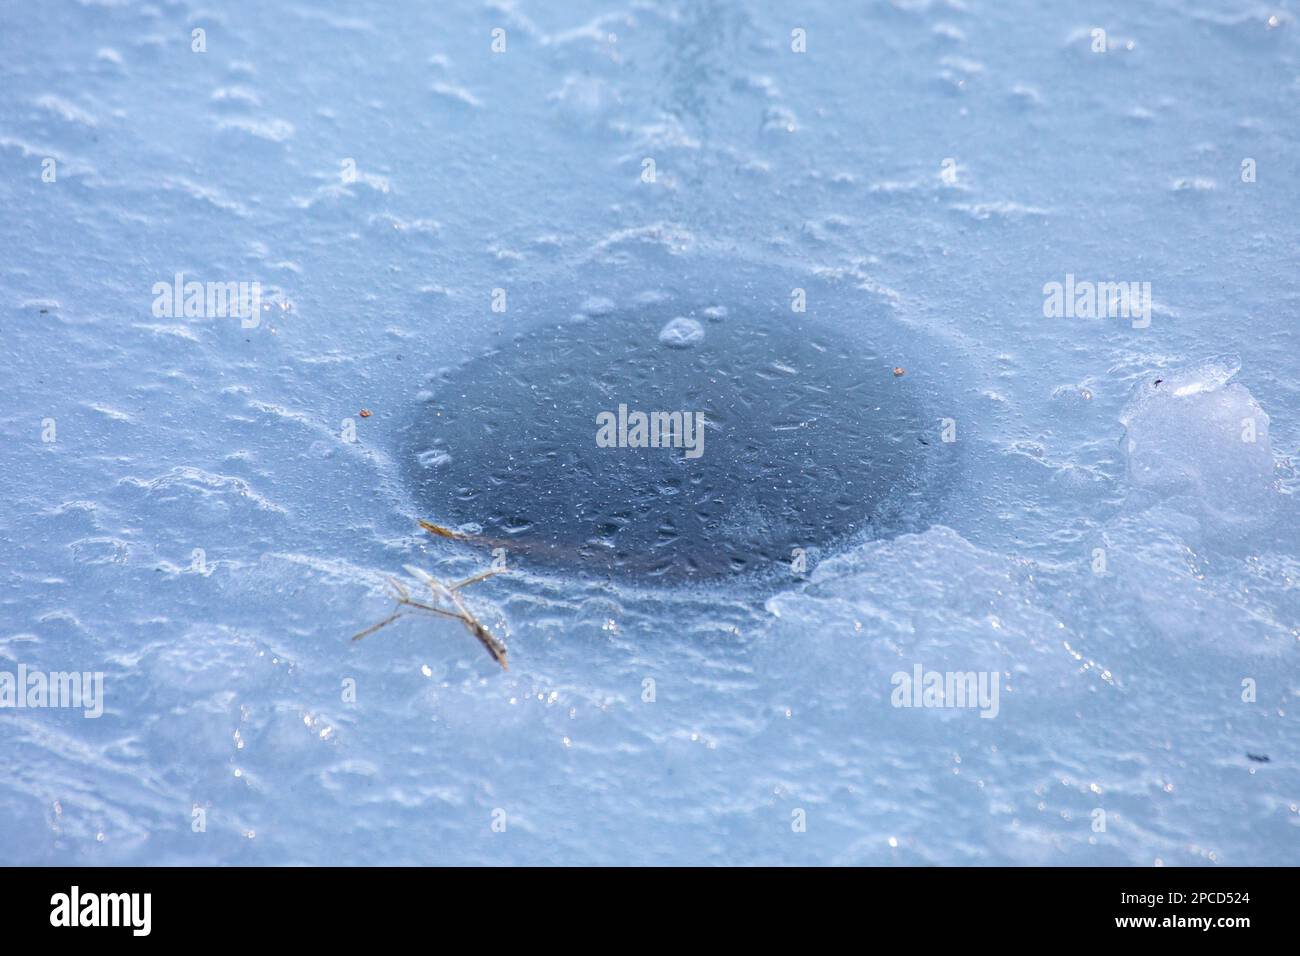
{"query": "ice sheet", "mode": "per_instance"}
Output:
(187, 513)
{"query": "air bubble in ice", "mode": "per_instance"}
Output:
(681, 333)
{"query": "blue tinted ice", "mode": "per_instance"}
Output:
(507, 227)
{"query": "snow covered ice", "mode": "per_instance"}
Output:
(203, 508)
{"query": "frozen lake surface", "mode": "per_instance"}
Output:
(1096, 516)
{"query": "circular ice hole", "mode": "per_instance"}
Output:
(800, 438)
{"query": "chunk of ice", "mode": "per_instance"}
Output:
(1189, 433)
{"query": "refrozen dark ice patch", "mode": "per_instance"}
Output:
(809, 440)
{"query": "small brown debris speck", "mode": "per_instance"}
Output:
(365, 413)
(899, 371)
